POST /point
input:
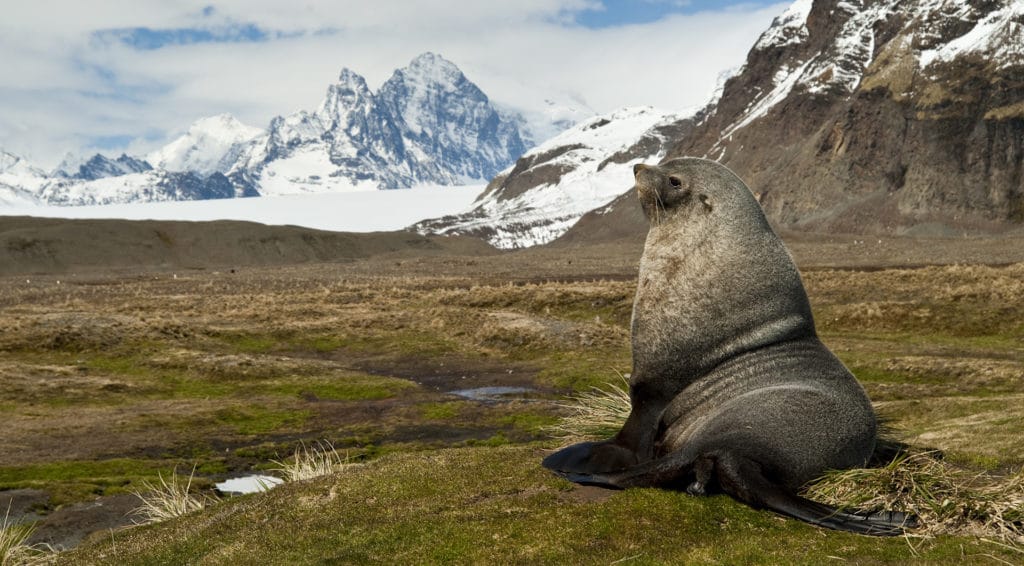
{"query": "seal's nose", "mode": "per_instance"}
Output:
(638, 168)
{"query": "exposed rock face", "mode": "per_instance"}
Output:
(879, 116)
(101, 167)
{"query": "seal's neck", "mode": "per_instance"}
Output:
(705, 295)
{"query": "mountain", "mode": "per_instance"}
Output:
(19, 181)
(553, 185)
(211, 145)
(880, 116)
(101, 167)
(153, 185)
(428, 123)
(860, 116)
(101, 180)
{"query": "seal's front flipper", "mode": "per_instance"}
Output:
(590, 458)
(670, 471)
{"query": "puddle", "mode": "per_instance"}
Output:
(248, 484)
(496, 393)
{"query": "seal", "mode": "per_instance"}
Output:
(731, 389)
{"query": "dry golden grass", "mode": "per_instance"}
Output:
(946, 498)
(308, 462)
(15, 549)
(169, 499)
(597, 413)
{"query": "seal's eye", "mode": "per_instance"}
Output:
(675, 182)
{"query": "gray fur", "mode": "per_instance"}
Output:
(730, 384)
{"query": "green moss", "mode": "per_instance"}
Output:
(253, 344)
(74, 481)
(441, 411)
(583, 370)
(258, 420)
(528, 422)
(496, 440)
(348, 388)
(320, 344)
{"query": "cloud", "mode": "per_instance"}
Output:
(86, 76)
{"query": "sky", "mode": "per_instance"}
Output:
(112, 76)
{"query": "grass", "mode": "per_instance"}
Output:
(313, 461)
(253, 420)
(496, 505)
(71, 481)
(594, 414)
(948, 499)
(15, 549)
(235, 373)
(169, 498)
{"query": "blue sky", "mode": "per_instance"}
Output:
(613, 13)
(107, 75)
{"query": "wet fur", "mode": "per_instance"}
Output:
(731, 389)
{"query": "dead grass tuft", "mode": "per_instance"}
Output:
(314, 461)
(946, 498)
(597, 413)
(14, 547)
(170, 499)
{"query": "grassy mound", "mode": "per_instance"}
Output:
(493, 505)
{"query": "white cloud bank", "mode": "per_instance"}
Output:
(65, 85)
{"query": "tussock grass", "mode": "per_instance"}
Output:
(319, 459)
(946, 498)
(169, 499)
(14, 547)
(596, 413)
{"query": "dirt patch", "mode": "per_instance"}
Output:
(68, 526)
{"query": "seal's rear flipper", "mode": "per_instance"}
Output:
(883, 523)
(744, 480)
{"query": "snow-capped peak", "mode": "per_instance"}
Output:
(787, 29)
(431, 68)
(210, 145)
(15, 165)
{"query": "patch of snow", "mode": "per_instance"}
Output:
(841, 66)
(790, 28)
(785, 79)
(1000, 36)
(367, 211)
(308, 169)
(255, 483)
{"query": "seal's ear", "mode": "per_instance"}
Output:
(706, 201)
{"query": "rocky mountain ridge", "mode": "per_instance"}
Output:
(427, 124)
(858, 116)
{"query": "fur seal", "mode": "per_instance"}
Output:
(731, 389)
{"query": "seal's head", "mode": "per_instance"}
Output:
(693, 189)
(663, 194)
